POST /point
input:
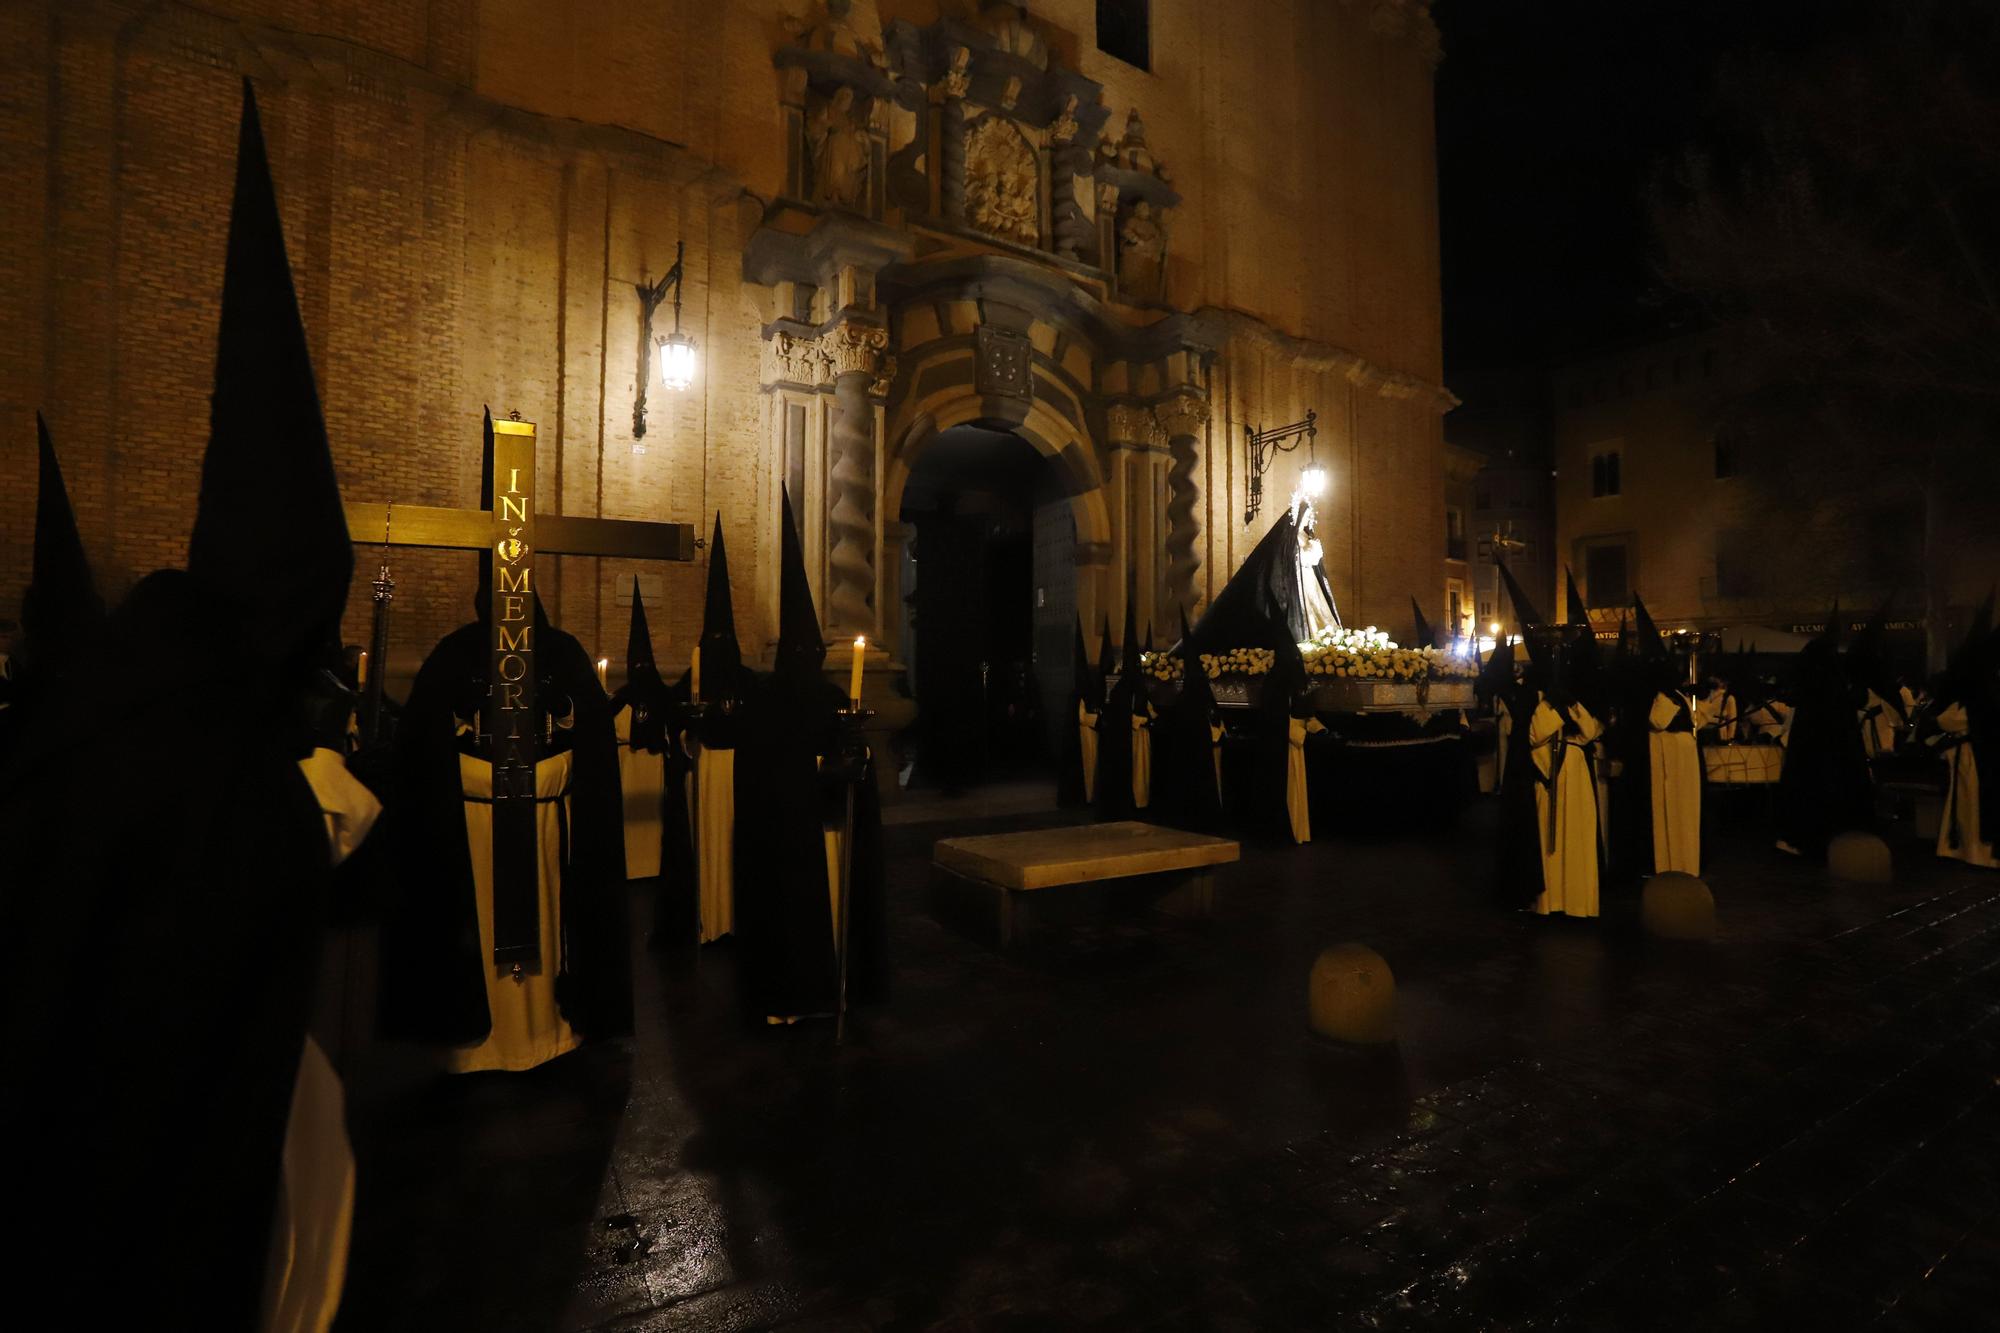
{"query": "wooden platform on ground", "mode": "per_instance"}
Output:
(1018, 863)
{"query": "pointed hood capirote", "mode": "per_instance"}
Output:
(800, 647)
(1574, 612)
(1082, 678)
(270, 535)
(1421, 633)
(1195, 686)
(1129, 665)
(61, 598)
(639, 640)
(721, 658)
(1525, 612)
(1651, 647)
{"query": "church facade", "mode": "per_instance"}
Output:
(897, 219)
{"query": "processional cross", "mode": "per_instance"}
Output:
(515, 533)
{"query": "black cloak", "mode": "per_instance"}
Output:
(1824, 787)
(784, 912)
(1264, 591)
(1639, 676)
(433, 974)
(165, 945)
(1184, 785)
(654, 715)
(1518, 860)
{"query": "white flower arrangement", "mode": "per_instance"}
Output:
(1346, 654)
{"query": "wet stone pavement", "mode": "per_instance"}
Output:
(1126, 1124)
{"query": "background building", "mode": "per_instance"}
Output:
(922, 238)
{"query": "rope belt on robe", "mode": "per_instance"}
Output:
(1569, 738)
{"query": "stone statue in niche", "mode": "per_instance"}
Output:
(840, 153)
(1008, 23)
(1142, 254)
(1002, 185)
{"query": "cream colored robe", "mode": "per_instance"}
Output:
(528, 1026)
(1565, 810)
(1142, 755)
(307, 1266)
(1086, 728)
(642, 780)
(1676, 791)
(1881, 720)
(712, 812)
(1975, 845)
(1296, 802)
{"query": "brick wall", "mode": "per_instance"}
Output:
(470, 191)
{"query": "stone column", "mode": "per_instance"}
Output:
(853, 355)
(1183, 416)
(951, 135)
(1135, 439)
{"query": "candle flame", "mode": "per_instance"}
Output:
(861, 641)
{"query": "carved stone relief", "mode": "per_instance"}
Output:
(1002, 185)
(1002, 363)
(1142, 254)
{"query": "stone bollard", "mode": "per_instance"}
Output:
(1859, 858)
(1351, 996)
(1674, 906)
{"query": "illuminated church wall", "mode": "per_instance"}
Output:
(472, 189)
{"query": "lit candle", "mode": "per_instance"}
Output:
(361, 668)
(854, 677)
(604, 673)
(694, 673)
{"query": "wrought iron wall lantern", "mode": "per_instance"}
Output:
(1260, 446)
(675, 351)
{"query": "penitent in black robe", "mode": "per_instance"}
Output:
(433, 974)
(1186, 782)
(1824, 787)
(785, 923)
(155, 1008)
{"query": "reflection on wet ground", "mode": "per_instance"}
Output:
(1126, 1124)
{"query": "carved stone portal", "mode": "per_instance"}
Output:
(1002, 186)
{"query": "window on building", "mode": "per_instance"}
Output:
(1454, 606)
(1454, 534)
(1606, 574)
(1725, 456)
(1124, 30)
(1605, 478)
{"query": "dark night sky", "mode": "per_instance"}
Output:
(1552, 117)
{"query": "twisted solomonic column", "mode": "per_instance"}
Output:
(853, 353)
(1182, 416)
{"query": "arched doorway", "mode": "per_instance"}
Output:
(989, 600)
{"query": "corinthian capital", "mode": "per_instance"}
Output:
(1183, 413)
(851, 347)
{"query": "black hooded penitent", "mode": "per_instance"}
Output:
(1184, 781)
(61, 616)
(165, 943)
(785, 801)
(433, 971)
(1824, 787)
